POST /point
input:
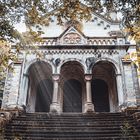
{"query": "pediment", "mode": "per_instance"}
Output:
(72, 36)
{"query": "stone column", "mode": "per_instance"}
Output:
(55, 106)
(89, 107)
(120, 91)
(23, 91)
(136, 83)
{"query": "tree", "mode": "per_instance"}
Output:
(40, 12)
(34, 12)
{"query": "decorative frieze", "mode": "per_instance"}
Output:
(102, 41)
(75, 39)
(80, 51)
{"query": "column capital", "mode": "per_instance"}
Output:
(56, 77)
(88, 77)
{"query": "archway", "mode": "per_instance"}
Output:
(72, 85)
(40, 87)
(72, 96)
(100, 96)
(104, 90)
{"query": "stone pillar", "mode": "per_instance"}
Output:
(55, 106)
(120, 91)
(136, 83)
(23, 91)
(131, 97)
(89, 107)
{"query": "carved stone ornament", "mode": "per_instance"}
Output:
(90, 61)
(72, 38)
(56, 61)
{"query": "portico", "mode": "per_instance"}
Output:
(73, 90)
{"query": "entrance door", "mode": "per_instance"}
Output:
(100, 96)
(44, 96)
(72, 101)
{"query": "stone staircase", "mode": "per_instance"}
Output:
(72, 126)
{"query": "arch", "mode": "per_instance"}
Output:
(30, 63)
(109, 42)
(71, 60)
(25, 80)
(95, 42)
(71, 70)
(104, 42)
(108, 60)
(68, 71)
(105, 71)
(24, 87)
(38, 72)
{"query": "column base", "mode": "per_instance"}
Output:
(55, 108)
(19, 109)
(89, 107)
(131, 110)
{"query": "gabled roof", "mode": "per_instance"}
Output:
(72, 29)
(106, 19)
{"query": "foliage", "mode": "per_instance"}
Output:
(6, 55)
(40, 12)
(126, 129)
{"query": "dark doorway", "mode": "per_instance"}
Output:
(44, 96)
(100, 96)
(72, 96)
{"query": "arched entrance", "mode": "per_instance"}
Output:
(40, 87)
(104, 90)
(100, 96)
(72, 85)
(72, 96)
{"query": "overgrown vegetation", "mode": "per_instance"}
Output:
(127, 129)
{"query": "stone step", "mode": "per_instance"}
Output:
(68, 126)
(62, 128)
(79, 138)
(72, 118)
(77, 114)
(67, 134)
(59, 130)
(71, 121)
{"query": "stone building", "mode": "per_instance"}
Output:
(82, 68)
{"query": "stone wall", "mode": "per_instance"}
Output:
(2, 84)
(130, 89)
(10, 95)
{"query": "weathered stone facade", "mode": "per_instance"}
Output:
(75, 56)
